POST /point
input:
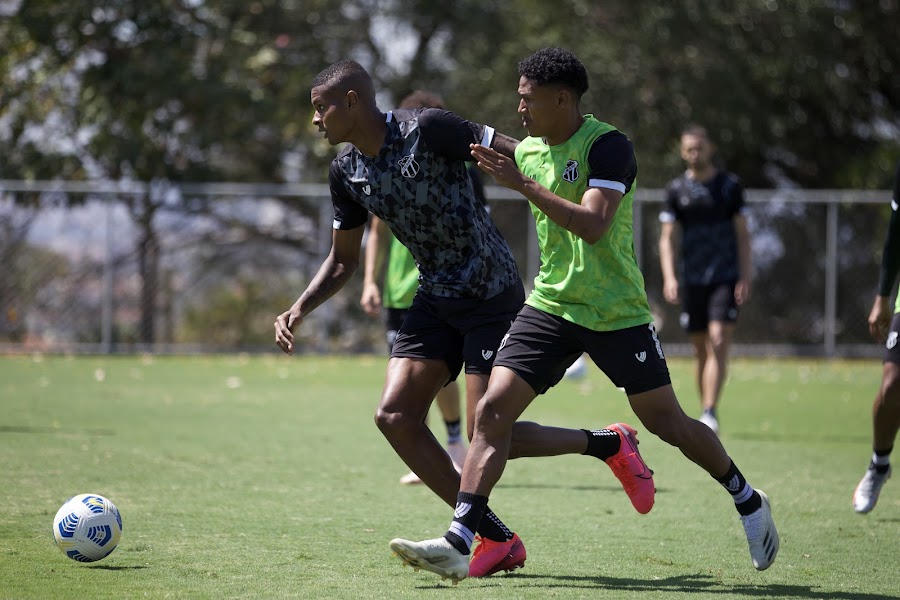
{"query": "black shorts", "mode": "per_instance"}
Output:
(540, 347)
(891, 347)
(393, 319)
(704, 303)
(458, 330)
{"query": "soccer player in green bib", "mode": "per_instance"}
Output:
(579, 174)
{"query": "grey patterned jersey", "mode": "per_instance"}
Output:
(419, 185)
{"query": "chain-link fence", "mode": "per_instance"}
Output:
(113, 267)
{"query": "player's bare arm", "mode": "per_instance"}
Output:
(589, 220)
(334, 273)
(742, 288)
(880, 318)
(376, 250)
(667, 262)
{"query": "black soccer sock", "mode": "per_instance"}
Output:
(493, 528)
(602, 443)
(454, 431)
(881, 460)
(746, 499)
(468, 514)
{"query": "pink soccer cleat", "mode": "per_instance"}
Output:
(490, 556)
(631, 470)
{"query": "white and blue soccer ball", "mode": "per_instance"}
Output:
(87, 527)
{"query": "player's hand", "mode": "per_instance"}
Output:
(500, 167)
(371, 300)
(741, 291)
(284, 329)
(880, 318)
(670, 291)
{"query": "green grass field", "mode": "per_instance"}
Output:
(265, 477)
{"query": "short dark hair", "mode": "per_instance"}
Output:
(338, 72)
(555, 65)
(422, 99)
(696, 131)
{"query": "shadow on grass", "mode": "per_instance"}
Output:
(695, 583)
(117, 567)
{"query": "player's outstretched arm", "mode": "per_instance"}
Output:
(334, 273)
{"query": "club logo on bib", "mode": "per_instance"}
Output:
(571, 172)
(408, 166)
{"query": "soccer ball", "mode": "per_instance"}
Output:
(87, 527)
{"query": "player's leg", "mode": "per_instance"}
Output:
(485, 323)
(695, 321)
(658, 409)
(533, 356)
(393, 319)
(645, 377)
(885, 424)
(448, 402)
(718, 343)
(448, 556)
(722, 313)
(409, 389)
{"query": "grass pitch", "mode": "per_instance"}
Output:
(265, 477)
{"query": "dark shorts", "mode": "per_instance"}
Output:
(891, 347)
(704, 303)
(540, 347)
(393, 319)
(458, 330)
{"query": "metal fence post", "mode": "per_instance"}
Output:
(831, 267)
(106, 303)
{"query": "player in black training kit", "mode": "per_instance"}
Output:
(715, 271)
(886, 408)
(408, 168)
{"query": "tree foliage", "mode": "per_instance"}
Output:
(795, 92)
(218, 89)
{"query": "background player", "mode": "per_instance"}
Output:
(886, 408)
(708, 203)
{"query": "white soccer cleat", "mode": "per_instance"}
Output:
(761, 534)
(709, 419)
(457, 452)
(866, 494)
(437, 556)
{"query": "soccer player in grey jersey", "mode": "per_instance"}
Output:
(408, 168)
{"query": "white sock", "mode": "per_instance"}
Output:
(881, 461)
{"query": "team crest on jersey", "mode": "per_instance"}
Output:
(891, 341)
(408, 166)
(367, 189)
(571, 172)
